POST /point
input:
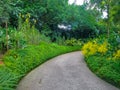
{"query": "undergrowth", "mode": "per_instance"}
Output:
(17, 63)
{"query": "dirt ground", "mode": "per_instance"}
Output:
(1, 56)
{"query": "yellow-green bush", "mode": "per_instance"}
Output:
(104, 60)
(91, 48)
(117, 55)
(73, 42)
(31, 34)
(103, 48)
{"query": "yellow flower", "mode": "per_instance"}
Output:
(109, 58)
(22, 16)
(93, 47)
(90, 48)
(27, 20)
(28, 15)
(84, 52)
(103, 48)
(117, 55)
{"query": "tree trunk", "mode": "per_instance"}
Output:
(6, 25)
(108, 24)
(108, 19)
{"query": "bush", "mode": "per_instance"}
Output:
(15, 39)
(103, 60)
(74, 42)
(105, 68)
(8, 79)
(31, 34)
(93, 47)
(114, 41)
(117, 55)
(19, 62)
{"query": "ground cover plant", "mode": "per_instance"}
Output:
(17, 63)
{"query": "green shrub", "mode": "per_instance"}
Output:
(109, 74)
(114, 41)
(8, 79)
(15, 39)
(106, 68)
(21, 61)
(74, 42)
(104, 59)
(31, 34)
(60, 40)
(44, 38)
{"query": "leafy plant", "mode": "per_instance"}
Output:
(103, 60)
(17, 63)
(92, 48)
(74, 42)
(30, 33)
(117, 55)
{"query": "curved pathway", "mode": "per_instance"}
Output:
(65, 72)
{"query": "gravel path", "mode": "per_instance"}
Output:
(65, 72)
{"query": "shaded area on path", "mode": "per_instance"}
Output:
(65, 72)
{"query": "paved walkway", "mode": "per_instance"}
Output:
(65, 72)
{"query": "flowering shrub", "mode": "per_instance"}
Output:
(102, 61)
(117, 55)
(31, 34)
(92, 48)
(103, 48)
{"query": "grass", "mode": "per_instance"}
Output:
(17, 63)
(106, 69)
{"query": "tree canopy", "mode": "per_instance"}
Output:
(49, 14)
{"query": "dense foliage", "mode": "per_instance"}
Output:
(49, 14)
(18, 63)
(103, 58)
(26, 24)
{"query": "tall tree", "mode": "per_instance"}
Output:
(109, 6)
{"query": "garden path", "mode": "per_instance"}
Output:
(65, 72)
